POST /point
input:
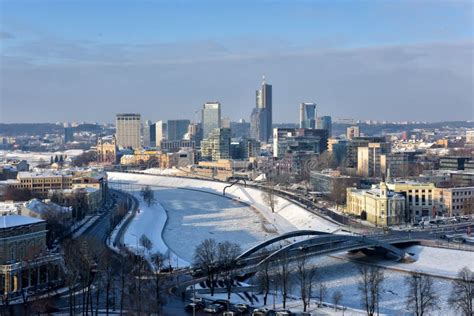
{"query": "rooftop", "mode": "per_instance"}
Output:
(17, 220)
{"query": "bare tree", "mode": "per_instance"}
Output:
(158, 261)
(146, 243)
(322, 293)
(462, 294)
(336, 298)
(421, 297)
(264, 279)
(148, 195)
(371, 278)
(269, 197)
(227, 253)
(206, 259)
(305, 275)
(283, 275)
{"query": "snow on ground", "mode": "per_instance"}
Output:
(150, 221)
(433, 261)
(34, 158)
(287, 216)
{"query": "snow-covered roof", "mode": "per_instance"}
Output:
(17, 220)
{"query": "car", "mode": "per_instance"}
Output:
(260, 312)
(242, 308)
(214, 308)
(194, 307)
(283, 312)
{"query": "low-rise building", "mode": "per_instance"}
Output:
(420, 201)
(455, 201)
(378, 205)
(25, 262)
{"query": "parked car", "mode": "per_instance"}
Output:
(260, 312)
(283, 313)
(242, 308)
(194, 307)
(214, 308)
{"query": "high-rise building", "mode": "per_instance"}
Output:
(308, 115)
(240, 129)
(261, 117)
(352, 132)
(211, 117)
(160, 132)
(153, 135)
(370, 160)
(146, 133)
(217, 145)
(128, 127)
(195, 132)
(68, 134)
(325, 122)
(177, 129)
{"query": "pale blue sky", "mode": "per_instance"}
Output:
(86, 60)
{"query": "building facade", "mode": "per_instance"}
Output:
(217, 145)
(25, 262)
(177, 129)
(308, 115)
(211, 117)
(128, 126)
(325, 122)
(262, 117)
(379, 205)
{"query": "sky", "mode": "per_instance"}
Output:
(82, 60)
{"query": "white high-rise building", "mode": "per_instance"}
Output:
(146, 133)
(161, 132)
(127, 126)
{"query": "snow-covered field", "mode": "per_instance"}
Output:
(35, 158)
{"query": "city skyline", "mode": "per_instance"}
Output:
(410, 67)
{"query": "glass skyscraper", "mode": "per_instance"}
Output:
(308, 115)
(261, 118)
(211, 117)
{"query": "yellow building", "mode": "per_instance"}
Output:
(378, 205)
(150, 158)
(107, 150)
(455, 201)
(419, 196)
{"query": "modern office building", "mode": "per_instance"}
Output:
(217, 145)
(177, 129)
(370, 161)
(308, 115)
(298, 140)
(261, 117)
(240, 129)
(325, 122)
(146, 133)
(195, 132)
(68, 134)
(127, 133)
(211, 117)
(161, 131)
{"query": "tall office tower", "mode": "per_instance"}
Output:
(308, 115)
(146, 133)
(211, 117)
(68, 134)
(177, 129)
(153, 135)
(127, 132)
(217, 145)
(325, 122)
(370, 160)
(352, 132)
(261, 117)
(160, 132)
